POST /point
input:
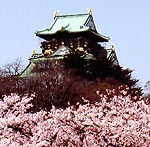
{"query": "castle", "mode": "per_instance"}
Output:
(67, 34)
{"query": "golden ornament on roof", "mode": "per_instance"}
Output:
(34, 52)
(89, 11)
(112, 47)
(56, 13)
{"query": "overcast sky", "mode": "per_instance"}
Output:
(126, 22)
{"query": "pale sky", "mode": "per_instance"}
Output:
(126, 22)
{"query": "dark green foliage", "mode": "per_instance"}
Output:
(102, 69)
(63, 83)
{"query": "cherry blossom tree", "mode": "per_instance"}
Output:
(116, 120)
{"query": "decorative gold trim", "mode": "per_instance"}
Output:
(33, 52)
(113, 47)
(56, 13)
(89, 10)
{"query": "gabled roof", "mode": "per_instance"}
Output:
(62, 50)
(77, 23)
(111, 55)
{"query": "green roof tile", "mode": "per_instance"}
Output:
(73, 24)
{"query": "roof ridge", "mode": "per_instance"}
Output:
(79, 14)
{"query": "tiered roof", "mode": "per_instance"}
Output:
(72, 24)
(64, 27)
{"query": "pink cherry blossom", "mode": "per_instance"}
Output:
(113, 121)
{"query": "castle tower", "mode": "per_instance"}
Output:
(67, 34)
